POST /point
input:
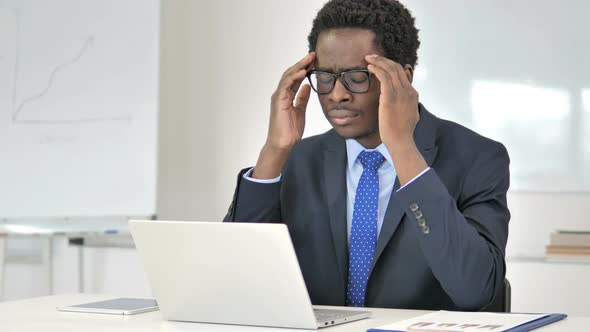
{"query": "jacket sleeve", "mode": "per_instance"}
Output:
(254, 202)
(464, 241)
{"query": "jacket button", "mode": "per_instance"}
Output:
(425, 229)
(414, 207)
(421, 222)
(418, 214)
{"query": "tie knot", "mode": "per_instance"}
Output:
(371, 159)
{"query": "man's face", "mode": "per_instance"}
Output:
(352, 115)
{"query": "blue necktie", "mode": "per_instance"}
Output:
(363, 235)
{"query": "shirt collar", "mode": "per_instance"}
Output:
(354, 148)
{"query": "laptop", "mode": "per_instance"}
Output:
(229, 273)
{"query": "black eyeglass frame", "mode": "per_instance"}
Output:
(339, 76)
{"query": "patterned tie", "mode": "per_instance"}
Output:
(363, 235)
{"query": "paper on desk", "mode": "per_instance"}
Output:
(462, 321)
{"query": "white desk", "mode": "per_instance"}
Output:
(39, 314)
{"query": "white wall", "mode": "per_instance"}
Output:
(539, 286)
(219, 67)
(535, 215)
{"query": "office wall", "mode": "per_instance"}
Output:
(539, 286)
(218, 72)
(221, 61)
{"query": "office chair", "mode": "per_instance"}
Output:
(501, 302)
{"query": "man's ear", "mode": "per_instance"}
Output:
(409, 72)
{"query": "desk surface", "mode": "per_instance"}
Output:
(39, 314)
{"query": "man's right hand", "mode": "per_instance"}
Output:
(287, 119)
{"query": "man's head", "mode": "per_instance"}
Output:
(343, 33)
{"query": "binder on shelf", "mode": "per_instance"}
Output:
(562, 238)
(568, 246)
(569, 250)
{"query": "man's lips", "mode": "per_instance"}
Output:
(342, 117)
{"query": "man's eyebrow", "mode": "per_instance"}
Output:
(341, 70)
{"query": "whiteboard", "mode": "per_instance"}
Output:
(78, 107)
(517, 72)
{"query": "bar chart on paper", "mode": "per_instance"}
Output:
(78, 107)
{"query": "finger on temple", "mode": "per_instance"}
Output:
(387, 66)
(303, 98)
(303, 63)
(292, 81)
(383, 77)
(401, 73)
(297, 83)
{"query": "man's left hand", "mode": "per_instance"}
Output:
(398, 103)
(398, 117)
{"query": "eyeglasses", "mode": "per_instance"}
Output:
(356, 81)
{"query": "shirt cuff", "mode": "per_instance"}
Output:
(412, 180)
(275, 180)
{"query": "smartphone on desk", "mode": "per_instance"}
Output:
(119, 306)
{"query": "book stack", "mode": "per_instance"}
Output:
(569, 245)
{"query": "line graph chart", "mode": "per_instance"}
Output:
(27, 106)
(78, 107)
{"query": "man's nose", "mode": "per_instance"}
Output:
(340, 93)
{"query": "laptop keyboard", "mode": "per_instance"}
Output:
(326, 314)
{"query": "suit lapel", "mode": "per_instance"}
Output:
(424, 136)
(334, 169)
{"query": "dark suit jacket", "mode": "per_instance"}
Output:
(455, 260)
